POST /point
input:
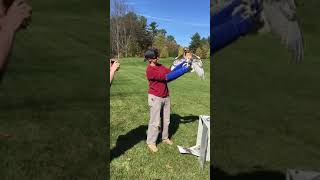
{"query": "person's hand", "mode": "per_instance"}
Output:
(15, 16)
(115, 66)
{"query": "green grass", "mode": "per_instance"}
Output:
(267, 109)
(53, 95)
(129, 119)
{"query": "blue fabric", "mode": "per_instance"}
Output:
(225, 14)
(227, 28)
(177, 73)
(179, 66)
(230, 31)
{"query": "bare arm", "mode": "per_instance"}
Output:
(9, 24)
(111, 75)
(6, 39)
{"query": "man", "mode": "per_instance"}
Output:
(114, 66)
(158, 96)
(12, 16)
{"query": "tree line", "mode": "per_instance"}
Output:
(131, 35)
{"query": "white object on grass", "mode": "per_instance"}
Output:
(202, 147)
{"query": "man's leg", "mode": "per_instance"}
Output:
(154, 122)
(166, 120)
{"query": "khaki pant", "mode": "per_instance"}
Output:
(158, 104)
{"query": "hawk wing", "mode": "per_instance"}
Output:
(282, 20)
(197, 66)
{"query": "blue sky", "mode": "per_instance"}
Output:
(180, 18)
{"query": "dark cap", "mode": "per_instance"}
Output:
(151, 54)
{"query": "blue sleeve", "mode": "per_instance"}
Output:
(179, 66)
(230, 31)
(177, 73)
(225, 14)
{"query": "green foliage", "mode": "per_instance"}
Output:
(162, 31)
(164, 53)
(208, 54)
(199, 52)
(159, 41)
(195, 42)
(180, 51)
(153, 28)
(167, 46)
(171, 38)
(137, 36)
(200, 46)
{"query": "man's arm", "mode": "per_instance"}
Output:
(9, 24)
(168, 75)
(6, 39)
(179, 65)
(111, 76)
(177, 73)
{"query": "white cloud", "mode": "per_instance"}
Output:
(175, 21)
(157, 18)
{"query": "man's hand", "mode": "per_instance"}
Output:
(114, 66)
(15, 16)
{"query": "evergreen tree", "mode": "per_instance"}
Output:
(195, 42)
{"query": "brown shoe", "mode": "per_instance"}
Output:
(153, 147)
(167, 141)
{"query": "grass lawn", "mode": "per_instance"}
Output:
(267, 109)
(130, 158)
(53, 95)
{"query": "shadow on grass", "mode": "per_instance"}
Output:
(176, 120)
(133, 137)
(254, 175)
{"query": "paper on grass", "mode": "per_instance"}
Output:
(194, 150)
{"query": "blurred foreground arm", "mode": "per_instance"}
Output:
(10, 22)
(113, 68)
(6, 38)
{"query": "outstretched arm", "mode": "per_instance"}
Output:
(230, 31)
(177, 73)
(225, 13)
(179, 65)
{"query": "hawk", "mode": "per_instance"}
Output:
(192, 60)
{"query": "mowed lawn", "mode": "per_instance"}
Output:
(267, 109)
(52, 111)
(130, 158)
